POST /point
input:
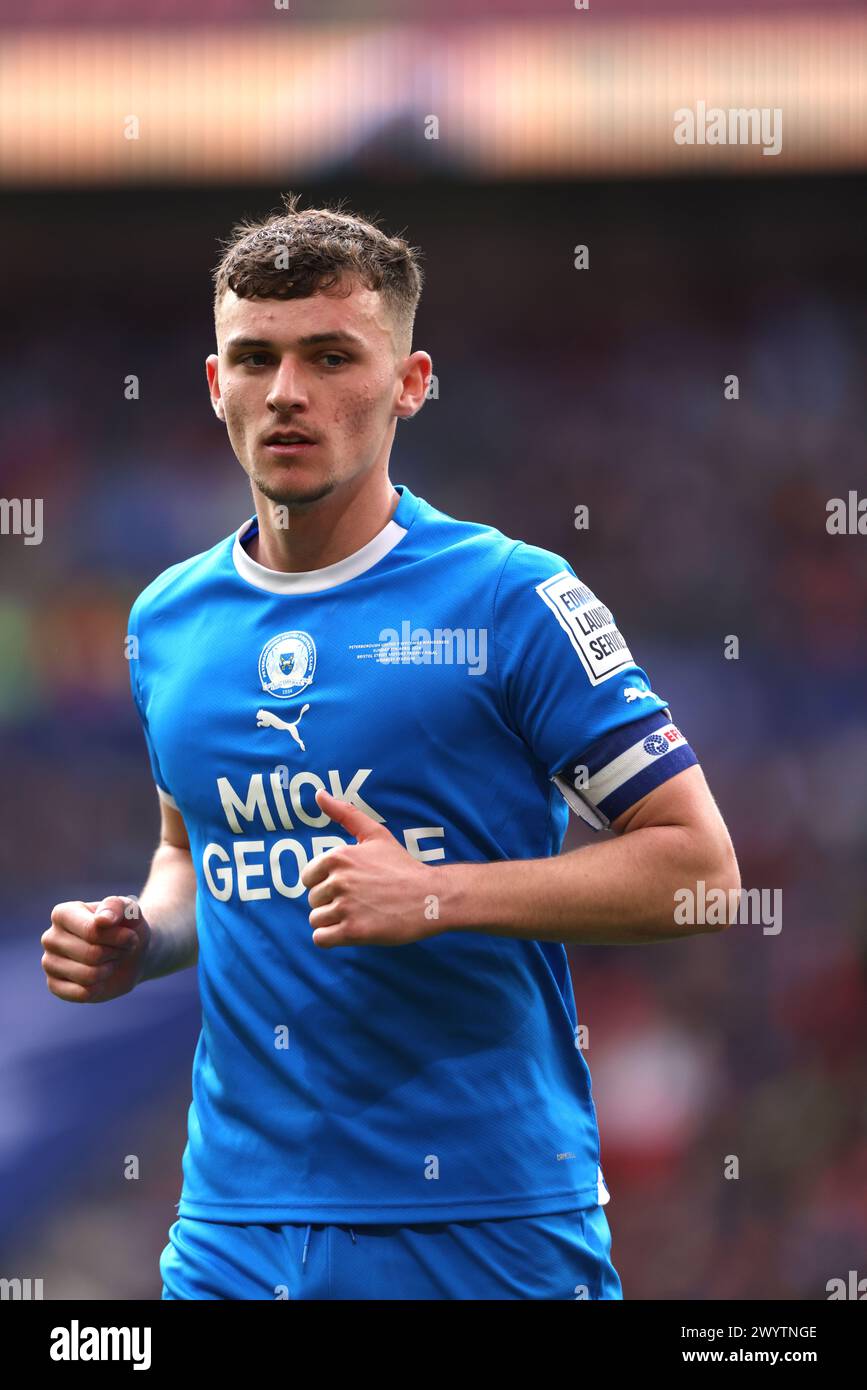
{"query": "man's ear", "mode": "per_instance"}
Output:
(211, 368)
(417, 375)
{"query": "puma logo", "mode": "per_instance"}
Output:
(266, 720)
(633, 693)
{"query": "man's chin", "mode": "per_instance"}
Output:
(293, 494)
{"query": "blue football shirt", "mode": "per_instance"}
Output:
(460, 687)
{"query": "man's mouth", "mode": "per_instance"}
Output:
(288, 441)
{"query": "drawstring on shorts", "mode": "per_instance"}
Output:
(307, 1242)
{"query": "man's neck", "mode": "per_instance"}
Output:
(324, 532)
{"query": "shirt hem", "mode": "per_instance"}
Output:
(415, 1213)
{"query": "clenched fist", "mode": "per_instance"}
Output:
(95, 951)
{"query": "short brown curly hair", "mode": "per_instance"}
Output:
(296, 253)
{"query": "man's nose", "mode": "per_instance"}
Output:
(288, 388)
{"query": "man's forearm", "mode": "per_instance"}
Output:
(168, 904)
(616, 892)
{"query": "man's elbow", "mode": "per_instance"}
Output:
(707, 894)
(722, 887)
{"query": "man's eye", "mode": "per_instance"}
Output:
(256, 359)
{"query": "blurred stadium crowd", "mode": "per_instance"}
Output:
(167, 12)
(556, 387)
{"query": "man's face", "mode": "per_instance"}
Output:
(276, 372)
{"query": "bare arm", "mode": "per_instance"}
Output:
(619, 891)
(168, 901)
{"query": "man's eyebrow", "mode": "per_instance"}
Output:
(336, 335)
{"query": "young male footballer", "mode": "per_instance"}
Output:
(365, 720)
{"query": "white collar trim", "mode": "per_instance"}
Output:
(313, 581)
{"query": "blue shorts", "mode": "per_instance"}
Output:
(561, 1256)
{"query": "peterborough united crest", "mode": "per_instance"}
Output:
(287, 664)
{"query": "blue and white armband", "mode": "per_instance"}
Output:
(622, 767)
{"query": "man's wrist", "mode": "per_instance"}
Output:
(171, 945)
(454, 897)
(490, 896)
(149, 956)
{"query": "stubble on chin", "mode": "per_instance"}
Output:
(295, 496)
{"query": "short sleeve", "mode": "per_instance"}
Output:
(572, 690)
(139, 702)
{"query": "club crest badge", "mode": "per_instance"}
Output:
(287, 664)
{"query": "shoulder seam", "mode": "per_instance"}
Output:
(501, 699)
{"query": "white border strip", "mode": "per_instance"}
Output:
(314, 581)
(630, 763)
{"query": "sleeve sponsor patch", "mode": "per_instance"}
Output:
(588, 624)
